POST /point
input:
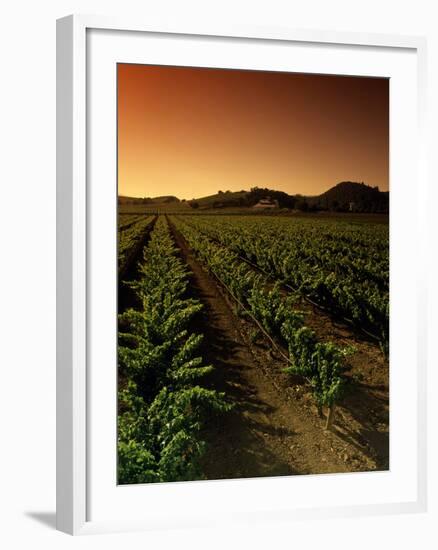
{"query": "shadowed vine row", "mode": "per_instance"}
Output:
(163, 404)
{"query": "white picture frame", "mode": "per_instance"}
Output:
(75, 394)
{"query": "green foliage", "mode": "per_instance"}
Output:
(176, 418)
(327, 381)
(272, 309)
(131, 229)
(322, 364)
(343, 267)
(162, 407)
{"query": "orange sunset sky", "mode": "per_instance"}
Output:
(190, 132)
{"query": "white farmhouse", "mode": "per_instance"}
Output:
(266, 203)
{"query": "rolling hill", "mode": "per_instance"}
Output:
(352, 196)
(346, 196)
(147, 200)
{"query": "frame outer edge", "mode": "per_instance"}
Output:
(424, 222)
(72, 515)
(70, 277)
(251, 32)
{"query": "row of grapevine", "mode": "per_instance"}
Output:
(321, 363)
(126, 220)
(343, 267)
(130, 238)
(162, 404)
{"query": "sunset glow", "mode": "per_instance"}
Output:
(189, 132)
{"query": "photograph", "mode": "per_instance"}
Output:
(253, 274)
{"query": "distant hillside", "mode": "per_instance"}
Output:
(347, 196)
(222, 199)
(147, 200)
(351, 196)
(228, 199)
(165, 199)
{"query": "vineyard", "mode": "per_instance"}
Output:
(161, 405)
(131, 232)
(257, 345)
(328, 263)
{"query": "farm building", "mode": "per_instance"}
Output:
(266, 203)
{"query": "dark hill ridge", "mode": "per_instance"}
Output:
(147, 200)
(352, 196)
(347, 196)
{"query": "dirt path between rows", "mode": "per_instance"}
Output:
(269, 432)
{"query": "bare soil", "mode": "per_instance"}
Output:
(274, 428)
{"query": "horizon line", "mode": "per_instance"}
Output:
(248, 191)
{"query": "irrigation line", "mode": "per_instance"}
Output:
(257, 322)
(231, 293)
(262, 329)
(286, 285)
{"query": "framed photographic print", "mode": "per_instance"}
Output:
(240, 275)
